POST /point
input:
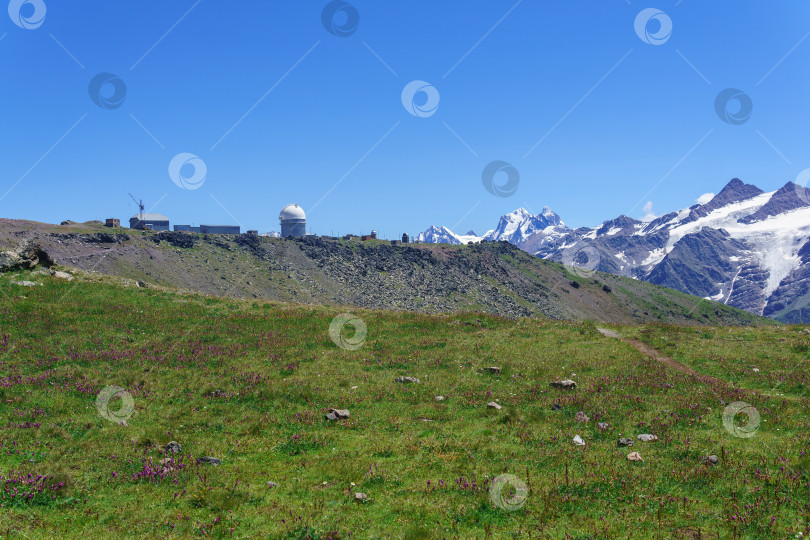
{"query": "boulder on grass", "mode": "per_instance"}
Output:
(63, 275)
(173, 447)
(337, 414)
(565, 384)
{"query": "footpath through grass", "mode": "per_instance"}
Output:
(249, 383)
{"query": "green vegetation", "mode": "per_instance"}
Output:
(768, 360)
(250, 382)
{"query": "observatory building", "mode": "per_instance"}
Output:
(293, 221)
(155, 222)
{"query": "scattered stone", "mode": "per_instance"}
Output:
(209, 460)
(141, 283)
(337, 414)
(165, 461)
(63, 275)
(625, 442)
(360, 497)
(712, 460)
(806, 331)
(581, 417)
(407, 380)
(271, 484)
(493, 405)
(607, 289)
(354, 388)
(439, 398)
(24, 283)
(556, 407)
(123, 423)
(565, 384)
(646, 437)
(603, 425)
(634, 456)
(756, 370)
(173, 447)
(578, 441)
(493, 370)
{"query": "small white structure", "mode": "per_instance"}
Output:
(293, 221)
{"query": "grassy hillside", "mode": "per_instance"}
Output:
(249, 383)
(496, 278)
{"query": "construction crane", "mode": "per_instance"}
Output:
(140, 206)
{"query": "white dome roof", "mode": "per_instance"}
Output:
(292, 211)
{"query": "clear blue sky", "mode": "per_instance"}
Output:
(334, 105)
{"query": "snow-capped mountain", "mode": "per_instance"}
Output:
(443, 235)
(744, 247)
(521, 224)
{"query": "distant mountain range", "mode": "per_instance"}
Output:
(744, 248)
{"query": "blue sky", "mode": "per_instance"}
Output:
(280, 110)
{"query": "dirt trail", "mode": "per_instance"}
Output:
(653, 353)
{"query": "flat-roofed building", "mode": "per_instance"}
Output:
(151, 221)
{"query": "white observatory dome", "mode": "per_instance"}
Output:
(292, 211)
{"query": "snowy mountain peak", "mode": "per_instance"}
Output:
(552, 217)
(443, 235)
(518, 215)
(789, 197)
(743, 247)
(514, 227)
(735, 191)
(622, 224)
(437, 235)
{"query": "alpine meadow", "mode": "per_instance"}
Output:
(341, 269)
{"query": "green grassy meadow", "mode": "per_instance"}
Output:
(249, 383)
